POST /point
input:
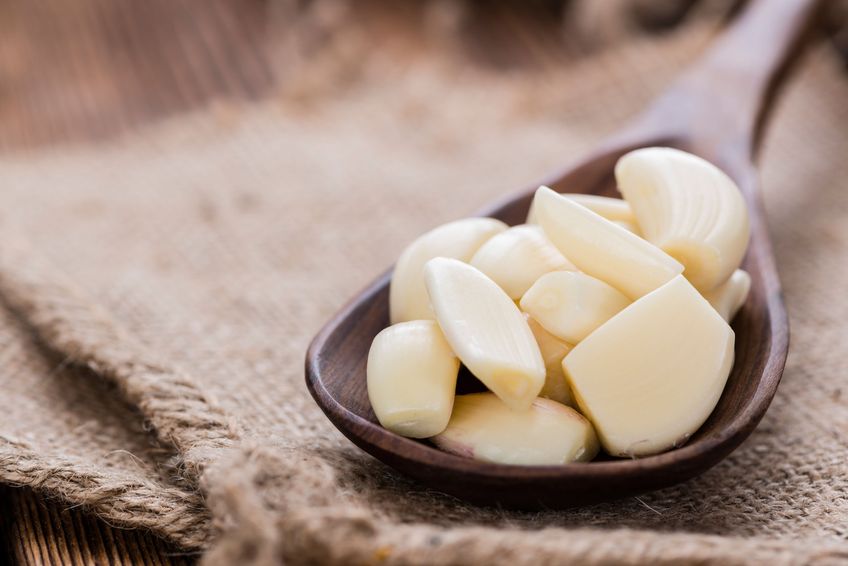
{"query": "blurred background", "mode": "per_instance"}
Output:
(91, 69)
(451, 90)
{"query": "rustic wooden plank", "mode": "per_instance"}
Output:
(86, 69)
(36, 531)
(74, 70)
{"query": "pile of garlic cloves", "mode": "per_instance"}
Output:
(601, 323)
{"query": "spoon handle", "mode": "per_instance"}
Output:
(720, 104)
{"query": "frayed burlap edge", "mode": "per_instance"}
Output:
(178, 515)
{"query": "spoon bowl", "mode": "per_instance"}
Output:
(716, 111)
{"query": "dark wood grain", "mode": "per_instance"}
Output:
(716, 110)
(73, 70)
(40, 532)
(91, 69)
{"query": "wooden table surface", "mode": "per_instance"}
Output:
(78, 70)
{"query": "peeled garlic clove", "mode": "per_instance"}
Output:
(411, 378)
(486, 331)
(514, 259)
(532, 218)
(601, 249)
(460, 239)
(553, 351)
(615, 209)
(650, 376)
(688, 207)
(547, 433)
(729, 297)
(629, 226)
(571, 305)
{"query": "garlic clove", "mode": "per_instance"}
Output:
(411, 378)
(532, 218)
(729, 297)
(546, 433)
(650, 376)
(460, 239)
(486, 330)
(514, 259)
(629, 226)
(601, 249)
(571, 305)
(553, 351)
(614, 209)
(688, 207)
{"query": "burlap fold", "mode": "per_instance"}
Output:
(159, 293)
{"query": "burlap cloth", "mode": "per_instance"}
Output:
(159, 294)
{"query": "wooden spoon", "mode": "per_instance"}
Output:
(715, 110)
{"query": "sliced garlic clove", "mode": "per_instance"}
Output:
(553, 351)
(729, 297)
(650, 376)
(460, 239)
(411, 378)
(629, 226)
(571, 305)
(688, 207)
(615, 209)
(514, 259)
(486, 331)
(547, 433)
(601, 249)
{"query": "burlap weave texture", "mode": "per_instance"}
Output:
(155, 319)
